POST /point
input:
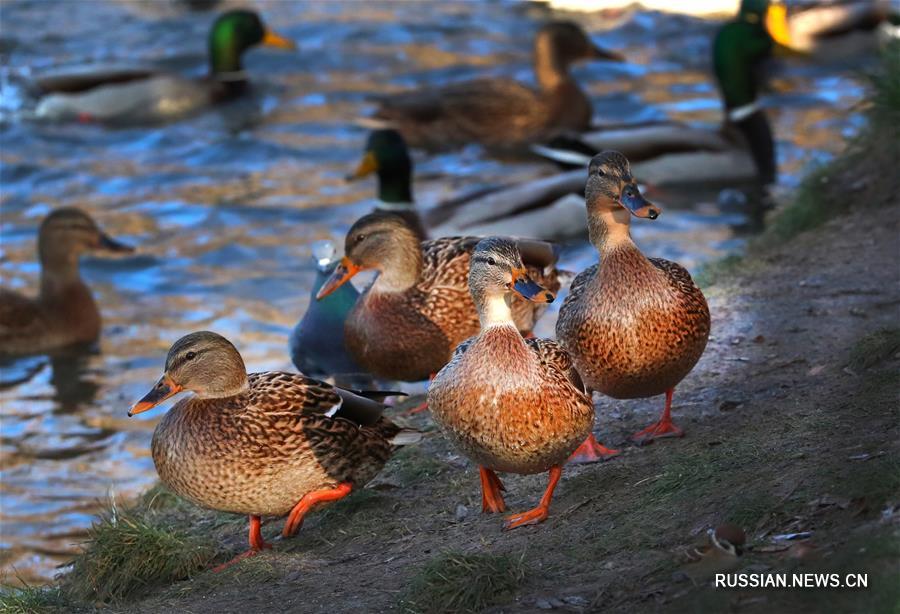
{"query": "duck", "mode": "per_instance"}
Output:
(133, 95)
(316, 343)
(500, 113)
(405, 326)
(543, 209)
(64, 314)
(742, 149)
(507, 403)
(634, 326)
(261, 444)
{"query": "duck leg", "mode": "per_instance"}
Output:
(591, 451)
(295, 518)
(540, 513)
(663, 428)
(491, 491)
(423, 406)
(256, 545)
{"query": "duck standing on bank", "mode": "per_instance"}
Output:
(508, 403)
(500, 113)
(635, 326)
(406, 325)
(139, 95)
(64, 313)
(263, 444)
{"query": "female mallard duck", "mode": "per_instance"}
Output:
(317, 342)
(742, 149)
(64, 313)
(500, 112)
(635, 326)
(143, 95)
(405, 326)
(508, 403)
(263, 444)
(525, 210)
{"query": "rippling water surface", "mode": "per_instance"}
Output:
(223, 206)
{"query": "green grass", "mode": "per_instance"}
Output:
(455, 582)
(128, 554)
(33, 600)
(874, 349)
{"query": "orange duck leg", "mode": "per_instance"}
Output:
(295, 518)
(257, 544)
(540, 513)
(491, 492)
(663, 428)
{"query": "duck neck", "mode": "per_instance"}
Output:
(401, 269)
(549, 69)
(609, 229)
(225, 62)
(59, 272)
(226, 385)
(493, 308)
(395, 187)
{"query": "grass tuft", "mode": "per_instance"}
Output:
(33, 600)
(126, 555)
(455, 582)
(874, 349)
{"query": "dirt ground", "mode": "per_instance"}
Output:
(792, 427)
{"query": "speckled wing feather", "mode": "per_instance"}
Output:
(677, 274)
(557, 361)
(576, 290)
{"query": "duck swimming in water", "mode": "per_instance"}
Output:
(510, 404)
(500, 113)
(635, 326)
(130, 96)
(64, 313)
(263, 444)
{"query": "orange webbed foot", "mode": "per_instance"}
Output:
(295, 518)
(592, 451)
(257, 544)
(657, 430)
(540, 513)
(491, 492)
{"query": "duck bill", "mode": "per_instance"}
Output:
(528, 289)
(273, 39)
(640, 206)
(605, 54)
(777, 24)
(108, 244)
(341, 274)
(163, 389)
(367, 166)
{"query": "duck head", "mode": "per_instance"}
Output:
(204, 363)
(387, 155)
(384, 242)
(496, 272)
(612, 197)
(235, 32)
(68, 233)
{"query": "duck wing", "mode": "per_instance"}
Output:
(20, 318)
(83, 79)
(557, 362)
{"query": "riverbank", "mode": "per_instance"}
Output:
(792, 430)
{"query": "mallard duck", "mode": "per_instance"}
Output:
(64, 313)
(405, 326)
(317, 342)
(741, 149)
(134, 95)
(263, 444)
(635, 326)
(510, 404)
(500, 112)
(534, 209)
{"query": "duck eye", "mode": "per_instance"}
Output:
(360, 238)
(491, 261)
(190, 356)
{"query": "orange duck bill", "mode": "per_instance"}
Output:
(341, 274)
(527, 288)
(163, 389)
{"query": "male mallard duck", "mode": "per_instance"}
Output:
(742, 149)
(524, 210)
(141, 95)
(500, 112)
(405, 326)
(263, 444)
(508, 403)
(635, 326)
(64, 313)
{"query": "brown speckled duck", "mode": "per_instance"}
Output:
(405, 326)
(263, 444)
(635, 326)
(64, 313)
(508, 403)
(500, 112)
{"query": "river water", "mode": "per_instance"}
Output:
(223, 206)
